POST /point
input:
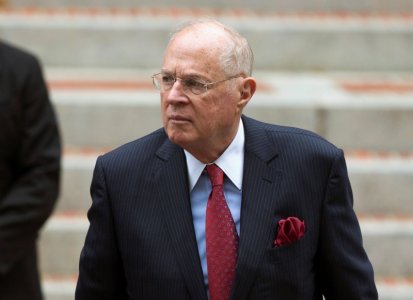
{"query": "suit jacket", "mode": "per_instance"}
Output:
(29, 170)
(141, 242)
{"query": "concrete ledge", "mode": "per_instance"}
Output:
(76, 179)
(382, 186)
(279, 6)
(59, 289)
(395, 289)
(388, 243)
(280, 42)
(60, 245)
(108, 120)
(370, 128)
(104, 108)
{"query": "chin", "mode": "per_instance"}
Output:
(178, 138)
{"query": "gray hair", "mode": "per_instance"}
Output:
(237, 57)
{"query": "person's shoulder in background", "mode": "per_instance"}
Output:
(14, 58)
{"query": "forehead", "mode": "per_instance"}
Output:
(196, 50)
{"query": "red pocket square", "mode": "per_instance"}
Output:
(289, 230)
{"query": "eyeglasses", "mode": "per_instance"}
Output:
(165, 82)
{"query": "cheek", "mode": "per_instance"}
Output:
(163, 97)
(227, 110)
(163, 109)
(164, 101)
(216, 111)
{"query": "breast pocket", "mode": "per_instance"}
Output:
(293, 261)
(288, 270)
(288, 253)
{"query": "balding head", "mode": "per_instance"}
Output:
(235, 54)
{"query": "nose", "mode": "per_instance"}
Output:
(177, 93)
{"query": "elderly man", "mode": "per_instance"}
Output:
(217, 205)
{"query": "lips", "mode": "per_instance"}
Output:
(176, 118)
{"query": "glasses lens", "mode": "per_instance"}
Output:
(167, 81)
(194, 86)
(163, 82)
(155, 81)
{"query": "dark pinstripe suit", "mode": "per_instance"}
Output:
(141, 242)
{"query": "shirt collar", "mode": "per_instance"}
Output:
(231, 161)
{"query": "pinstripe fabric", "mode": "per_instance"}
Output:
(141, 240)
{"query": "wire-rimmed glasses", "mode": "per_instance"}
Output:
(164, 82)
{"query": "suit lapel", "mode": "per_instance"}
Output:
(259, 193)
(172, 183)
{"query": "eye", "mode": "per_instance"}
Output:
(168, 79)
(194, 84)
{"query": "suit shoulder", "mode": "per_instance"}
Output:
(22, 71)
(15, 58)
(298, 134)
(293, 138)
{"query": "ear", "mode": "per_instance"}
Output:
(247, 90)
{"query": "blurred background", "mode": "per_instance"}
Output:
(341, 68)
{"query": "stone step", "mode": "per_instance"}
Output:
(381, 183)
(104, 108)
(60, 244)
(389, 289)
(137, 38)
(374, 177)
(58, 288)
(388, 242)
(395, 289)
(283, 6)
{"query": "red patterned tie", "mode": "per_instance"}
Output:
(221, 239)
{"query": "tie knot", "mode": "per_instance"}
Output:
(216, 175)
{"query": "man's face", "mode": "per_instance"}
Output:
(208, 120)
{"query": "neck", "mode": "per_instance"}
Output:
(210, 150)
(208, 156)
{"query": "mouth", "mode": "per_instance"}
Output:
(178, 119)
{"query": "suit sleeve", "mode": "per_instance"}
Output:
(347, 271)
(30, 200)
(100, 271)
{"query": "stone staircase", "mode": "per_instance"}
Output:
(341, 68)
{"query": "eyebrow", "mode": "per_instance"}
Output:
(187, 76)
